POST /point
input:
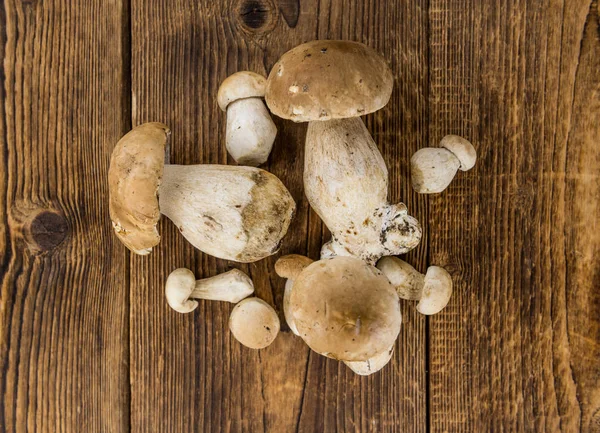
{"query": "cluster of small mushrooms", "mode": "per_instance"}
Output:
(344, 306)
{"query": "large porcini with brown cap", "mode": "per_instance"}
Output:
(330, 84)
(231, 212)
(343, 308)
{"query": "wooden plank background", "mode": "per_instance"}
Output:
(87, 342)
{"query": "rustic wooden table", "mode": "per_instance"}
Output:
(87, 341)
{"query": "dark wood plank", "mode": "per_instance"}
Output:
(64, 299)
(188, 373)
(517, 348)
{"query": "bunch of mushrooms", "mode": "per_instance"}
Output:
(346, 305)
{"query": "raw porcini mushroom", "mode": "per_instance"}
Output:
(235, 213)
(254, 323)
(432, 169)
(437, 291)
(371, 365)
(250, 129)
(433, 290)
(345, 309)
(290, 267)
(330, 84)
(182, 287)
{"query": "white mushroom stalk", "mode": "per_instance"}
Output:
(250, 129)
(371, 365)
(330, 84)
(346, 182)
(254, 323)
(182, 288)
(433, 290)
(231, 212)
(432, 169)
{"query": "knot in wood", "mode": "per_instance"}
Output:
(257, 16)
(47, 230)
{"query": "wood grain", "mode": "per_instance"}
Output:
(517, 348)
(87, 341)
(63, 302)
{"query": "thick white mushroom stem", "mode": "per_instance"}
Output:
(182, 288)
(250, 129)
(346, 182)
(232, 212)
(371, 365)
(433, 290)
(290, 267)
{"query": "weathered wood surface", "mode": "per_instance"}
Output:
(87, 341)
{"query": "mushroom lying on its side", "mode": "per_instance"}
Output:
(432, 169)
(433, 290)
(182, 287)
(254, 323)
(250, 129)
(330, 84)
(344, 308)
(235, 213)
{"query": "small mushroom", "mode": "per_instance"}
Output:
(182, 287)
(432, 169)
(433, 290)
(250, 130)
(345, 309)
(254, 323)
(437, 291)
(235, 213)
(330, 84)
(371, 365)
(290, 267)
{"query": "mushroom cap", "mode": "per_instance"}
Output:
(178, 289)
(436, 291)
(241, 85)
(406, 279)
(462, 149)
(291, 265)
(254, 323)
(371, 365)
(324, 80)
(345, 309)
(135, 173)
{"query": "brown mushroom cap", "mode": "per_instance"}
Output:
(241, 85)
(136, 169)
(291, 265)
(345, 309)
(324, 80)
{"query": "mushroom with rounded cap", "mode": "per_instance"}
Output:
(235, 213)
(433, 290)
(432, 169)
(437, 291)
(330, 84)
(182, 288)
(371, 365)
(250, 130)
(345, 309)
(290, 267)
(254, 323)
